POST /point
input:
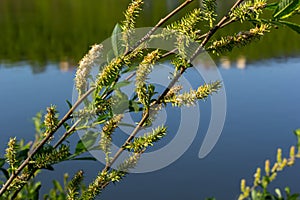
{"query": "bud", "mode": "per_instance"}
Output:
(279, 155)
(267, 167)
(243, 185)
(257, 177)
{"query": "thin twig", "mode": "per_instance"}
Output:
(67, 133)
(212, 31)
(161, 22)
(69, 113)
(44, 141)
(171, 84)
(173, 51)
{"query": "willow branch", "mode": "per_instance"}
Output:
(161, 22)
(67, 133)
(210, 33)
(44, 141)
(69, 113)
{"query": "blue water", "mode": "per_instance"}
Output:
(262, 111)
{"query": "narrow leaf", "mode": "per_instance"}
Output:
(36, 192)
(86, 142)
(22, 154)
(5, 172)
(272, 6)
(286, 8)
(2, 161)
(84, 158)
(69, 104)
(57, 186)
(293, 26)
(122, 84)
(116, 40)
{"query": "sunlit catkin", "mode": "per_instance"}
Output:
(11, 154)
(267, 167)
(90, 60)
(257, 177)
(291, 160)
(279, 155)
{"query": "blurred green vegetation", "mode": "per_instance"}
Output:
(42, 31)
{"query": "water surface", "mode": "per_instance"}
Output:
(41, 42)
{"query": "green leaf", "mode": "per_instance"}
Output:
(2, 161)
(69, 104)
(84, 158)
(5, 172)
(297, 132)
(86, 142)
(49, 167)
(122, 84)
(293, 197)
(277, 191)
(272, 6)
(134, 106)
(121, 102)
(286, 8)
(254, 195)
(37, 121)
(293, 26)
(35, 190)
(116, 40)
(21, 155)
(287, 191)
(126, 124)
(110, 56)
(57, 186)
(129, 69)
(66, 126)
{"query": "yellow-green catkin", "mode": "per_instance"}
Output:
(245, 190)
(145, 67)
(50, 120)
(96, 186)
(279, 155)
(267, 167)
(109, 73)
(143, 70)
(107, 130)
(90, 60)
(112, 124)
(131, 14)
(248, 10)
(173, 91)
(243, 185)
(190, 98)
(283, 164)
(275, 167)
(241, 39)
(291, 160)
(257, 177)
(273, 176)
(11, 154)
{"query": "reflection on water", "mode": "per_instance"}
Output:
(240, 62)
(43, 31)
(41, 42)
(263, 110)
